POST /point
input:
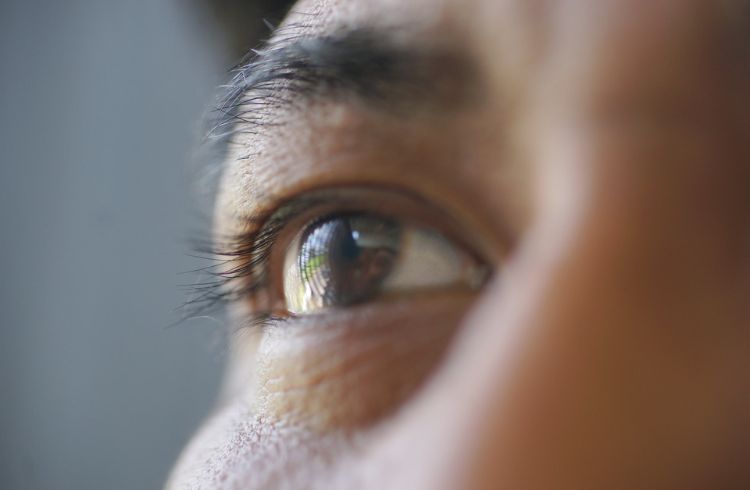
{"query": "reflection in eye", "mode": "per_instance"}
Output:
(352, 258)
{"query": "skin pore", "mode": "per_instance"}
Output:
(591, 155)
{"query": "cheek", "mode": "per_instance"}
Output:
(236, 449)
(349, 372)
(313, 385)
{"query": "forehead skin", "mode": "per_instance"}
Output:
(578, 94)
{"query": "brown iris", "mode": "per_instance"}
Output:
(344, 259)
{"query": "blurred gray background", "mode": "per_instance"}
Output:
(99, 108)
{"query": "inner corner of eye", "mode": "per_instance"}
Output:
(347, 259)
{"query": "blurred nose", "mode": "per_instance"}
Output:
(614, 352)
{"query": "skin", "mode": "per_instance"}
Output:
(604, 173)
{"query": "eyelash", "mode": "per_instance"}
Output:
(251, 253)
(241, 268)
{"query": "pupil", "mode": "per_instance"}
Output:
(349, 248)
(345, 259)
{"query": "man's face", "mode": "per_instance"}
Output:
(487, 244)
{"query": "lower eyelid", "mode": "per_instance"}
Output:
(335, 371)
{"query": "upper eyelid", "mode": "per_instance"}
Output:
(255, 244)
(236, 257)
(243, 267)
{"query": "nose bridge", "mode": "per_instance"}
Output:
(656, 202)
(637, 128)
(614, 351)
(620, 364)
(628, 363)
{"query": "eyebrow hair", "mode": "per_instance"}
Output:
(360, 64)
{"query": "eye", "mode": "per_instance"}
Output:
(352, 258)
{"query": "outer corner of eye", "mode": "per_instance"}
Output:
(351, 258)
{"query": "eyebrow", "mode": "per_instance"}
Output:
(362, 65)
